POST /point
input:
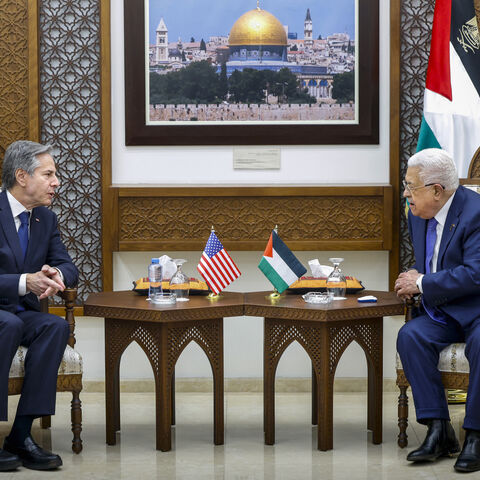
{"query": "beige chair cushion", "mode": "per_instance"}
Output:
(71, 363)
(452, 359)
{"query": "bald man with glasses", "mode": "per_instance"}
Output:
(444, 225)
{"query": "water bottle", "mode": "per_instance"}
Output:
(155, 278)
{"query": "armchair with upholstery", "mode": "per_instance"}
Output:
(69, 373)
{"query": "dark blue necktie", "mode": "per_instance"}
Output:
(23, 231)
(430, 240)
(23, 237)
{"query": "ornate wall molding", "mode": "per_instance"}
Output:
(14, 73)
(474, 170)
(328, 218)
(70, 111)
(64, 39)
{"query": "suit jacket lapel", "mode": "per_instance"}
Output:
(8, 225)
(451, 224)
(35, 233)
(419, 235)
(423, 244)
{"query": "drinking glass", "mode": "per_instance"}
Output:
(180, 283)
(336, 282)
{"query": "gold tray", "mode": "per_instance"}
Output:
(197, 287)
(317, 284)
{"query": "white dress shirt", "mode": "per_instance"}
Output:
(441, 218)
(17, 208)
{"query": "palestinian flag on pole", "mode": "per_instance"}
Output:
(279, 264)
(451, 116)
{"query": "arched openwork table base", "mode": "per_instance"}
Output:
(324, 332)
(162, 343)
(162, 332)
(324, 344)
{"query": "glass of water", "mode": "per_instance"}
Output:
(336, 282)
(180, 283)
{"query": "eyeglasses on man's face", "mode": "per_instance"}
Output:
(410, 188)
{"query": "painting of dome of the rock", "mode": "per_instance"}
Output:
(252, 61)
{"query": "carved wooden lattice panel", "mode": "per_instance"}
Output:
(207, 337)
(341, 337)
(70, 115)
(124, 333)
(280, 336)
(245, 218)
(416, 21)
(13, 73)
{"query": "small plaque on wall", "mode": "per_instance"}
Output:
(256, 158)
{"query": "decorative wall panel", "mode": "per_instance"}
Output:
(70, 113)
(474, 171)
(346, 219)
(416, 21)
(13, 73)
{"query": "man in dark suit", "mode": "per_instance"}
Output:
(444, 224)
(34, 264)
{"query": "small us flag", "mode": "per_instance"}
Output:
(216, 266)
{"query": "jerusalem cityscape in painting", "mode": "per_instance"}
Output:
(260, 70)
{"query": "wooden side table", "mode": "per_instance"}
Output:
(324, 332)
(163, 332)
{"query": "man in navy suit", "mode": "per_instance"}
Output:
(34, 264)
(444, 224)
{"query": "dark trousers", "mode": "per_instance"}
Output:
(419, 344)
(46, 337)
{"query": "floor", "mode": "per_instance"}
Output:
(244, 456)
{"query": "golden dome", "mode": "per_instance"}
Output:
(257, 27)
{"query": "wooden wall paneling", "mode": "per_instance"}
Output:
(14, 66)
(395, 39)
(474, 169)
(71, 117)
(33, 73)
(388, 219)
(308, 218)
(109, 194)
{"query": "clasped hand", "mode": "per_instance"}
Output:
(45, 283)
(406, 284)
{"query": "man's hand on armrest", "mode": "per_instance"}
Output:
(406, 284)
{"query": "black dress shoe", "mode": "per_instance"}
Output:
(469, 458)
(8, 461)
(33, 456)
(439, 442)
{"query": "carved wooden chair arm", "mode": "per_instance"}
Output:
(410, 304)
(69, 295)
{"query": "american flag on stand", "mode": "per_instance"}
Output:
(216, 266)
